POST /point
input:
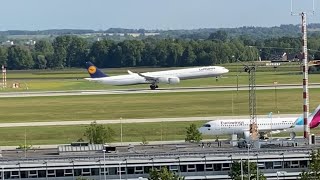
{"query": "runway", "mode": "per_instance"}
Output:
(147, 120)
(144, 91)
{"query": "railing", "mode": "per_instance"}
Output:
(208, 153)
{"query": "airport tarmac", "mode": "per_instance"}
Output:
(147, 120)
(143, 91)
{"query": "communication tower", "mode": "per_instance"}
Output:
(305, 68)
(253, 127)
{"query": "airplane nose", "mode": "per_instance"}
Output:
(226, 70)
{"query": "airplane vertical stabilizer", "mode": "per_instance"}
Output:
(94, 71)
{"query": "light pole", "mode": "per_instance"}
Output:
(99, 168)
(241, 169)
(230, 156)
(248, 161)
(276, 95)
(126, 168)
(104, 164)
(72, 169)
(46, 163)
(2, 173)
(121, 130)
(179, 166)
(309, 159)
(205, 166)
(120, 170)
(152, 163)
(270, 116)
(282, 160)
(19, 170)
(257, 166)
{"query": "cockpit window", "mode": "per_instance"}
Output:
(207, 125)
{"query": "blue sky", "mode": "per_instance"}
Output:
(149, 14)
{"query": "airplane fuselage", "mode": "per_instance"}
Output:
(239, 126)
(188, 73)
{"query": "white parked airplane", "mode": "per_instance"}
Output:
(154, 78)
(265, 125)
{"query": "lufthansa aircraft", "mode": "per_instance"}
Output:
(154, 78)
(265, 125)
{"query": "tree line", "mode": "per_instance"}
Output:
(70, 51)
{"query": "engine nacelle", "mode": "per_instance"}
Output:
(246, 135)
(169, 80)
(292, 135)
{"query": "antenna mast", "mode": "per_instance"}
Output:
(305, 68)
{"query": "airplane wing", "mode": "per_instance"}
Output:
(163, 79)
(149, 78)
(130, 72)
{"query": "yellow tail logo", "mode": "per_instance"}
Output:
(92, 69)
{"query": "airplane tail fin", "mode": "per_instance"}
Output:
(94, 71)
(314, 118)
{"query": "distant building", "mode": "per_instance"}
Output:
(8, 43)
(30, 42)
(151, 34)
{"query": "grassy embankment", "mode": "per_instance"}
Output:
(134, 106)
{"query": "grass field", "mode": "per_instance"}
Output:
(67, 134)
(131, 133)
(75, 83)
(150, 105)
(138, 105)
(72, 79)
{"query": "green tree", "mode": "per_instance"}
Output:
(175, 51)
(76, 52)
(60, 46)
(220, 35)
(193, 135)
(188, 57)
(3, 56)
(98, 134)
(235, 172)
(163, 174)
(40, 62)
(100, 53)
(43, 47)
(19, 57)
(314, 167)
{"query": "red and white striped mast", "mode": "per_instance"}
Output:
(4, 77)
(305, 81)
(305, 67)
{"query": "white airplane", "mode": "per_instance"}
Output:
(155, 78)
(265, 125)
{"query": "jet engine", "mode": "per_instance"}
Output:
(292, 135)
(246, 135)
(169, 80)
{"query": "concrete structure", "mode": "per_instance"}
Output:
(133, 162)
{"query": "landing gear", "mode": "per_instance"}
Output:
(153, 86)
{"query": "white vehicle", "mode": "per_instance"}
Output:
(265, 125)
(155, 78)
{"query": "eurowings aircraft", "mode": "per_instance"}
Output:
(265, 125)
(154, 78)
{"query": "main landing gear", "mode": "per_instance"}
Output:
(153, 86)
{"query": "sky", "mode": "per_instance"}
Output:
(150, 14)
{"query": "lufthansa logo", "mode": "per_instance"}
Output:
(92, 69)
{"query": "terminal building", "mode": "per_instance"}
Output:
(198, 163)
